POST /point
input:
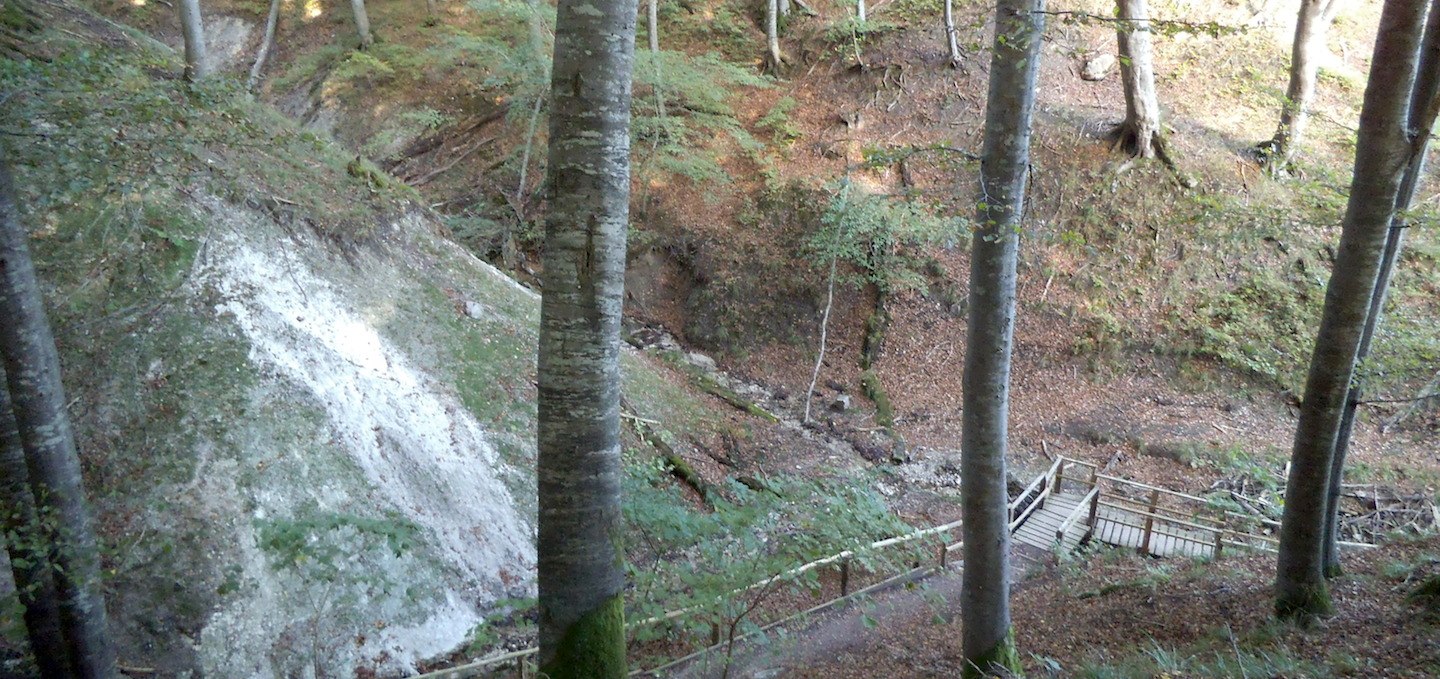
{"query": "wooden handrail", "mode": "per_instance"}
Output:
(1064, 527)
(1147, 486)
(1167, 519)
(1031, 509)
(1044, 478)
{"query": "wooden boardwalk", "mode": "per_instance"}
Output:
(1073, 503)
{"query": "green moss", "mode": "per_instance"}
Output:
(1305, 604)
(884, 412)
(593, 647)
(1002, 660)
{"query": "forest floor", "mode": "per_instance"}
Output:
(1160, 331)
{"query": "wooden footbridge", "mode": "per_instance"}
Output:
(1072, 503)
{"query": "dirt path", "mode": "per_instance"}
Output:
(855, 626)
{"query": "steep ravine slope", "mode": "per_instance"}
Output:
(305, 416)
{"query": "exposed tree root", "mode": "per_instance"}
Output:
(1141, 145)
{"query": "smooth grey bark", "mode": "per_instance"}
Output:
(1139, 134)
(29, 566)
(272, 20)
(652, 24)
(860, 11)
(951, 40)
(1004, 165)
(581, 558)
(32, 371)
(362, 23)
(1424, 105)
(772, 34)
(1310, 28)
(1382, 155)
(197, 60)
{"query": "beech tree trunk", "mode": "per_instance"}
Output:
(32, 371)
(772, 34)
(652, 25)
(1382, 155)
(28, 563)
(1422, 114)
(362, 23)
(272, 20)
(1310, 29)
(1140, 133)
(860, 11)
(581, 557)
(989, 645)
(951, 40)
(197, 61)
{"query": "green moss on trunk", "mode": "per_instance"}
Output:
(1003, 660)
(1305, 604)
(884, 412)
(593, 647)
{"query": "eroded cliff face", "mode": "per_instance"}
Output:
(374, 516)
(336, 465)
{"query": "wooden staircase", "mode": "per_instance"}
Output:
(1072, 503)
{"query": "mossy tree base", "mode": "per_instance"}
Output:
(593, 647)
(1003, 660)
(1305, 604)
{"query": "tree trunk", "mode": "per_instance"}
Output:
(951, 40)
(197, 62)
(32, 371)
(362, 23)
(652, 24)
(581, 558)
(989, 646)
(860, 11)
(1140, 133)
(1423, 110)
(34, 584)
(271, 21)
(1382, 154)
(1279, 153)
(783, 8)
(772, 34)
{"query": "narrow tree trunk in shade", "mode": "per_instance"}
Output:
(581, 558)
(1140, 133)
(1382, 154)
(989, 646)
(951, 40)
(197, 61)
(32, 371)
(1311, 26)
(362, 23)
(272, 20)
(772, 34)
(1424, 105)
(28, 565)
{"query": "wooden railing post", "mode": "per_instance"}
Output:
(1219, 542)
(844, 577)
(1149, 522)
(944, 554)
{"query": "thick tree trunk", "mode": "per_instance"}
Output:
(772, 34)
(32, 371)
(272, 20)
(951, 40)
(581, 558)
(1314, 20)
(362, 23)
(1005, 160)
(1423, 109)
(1140, 133)
(1382, 154)
(197, 61)
(29, 566)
